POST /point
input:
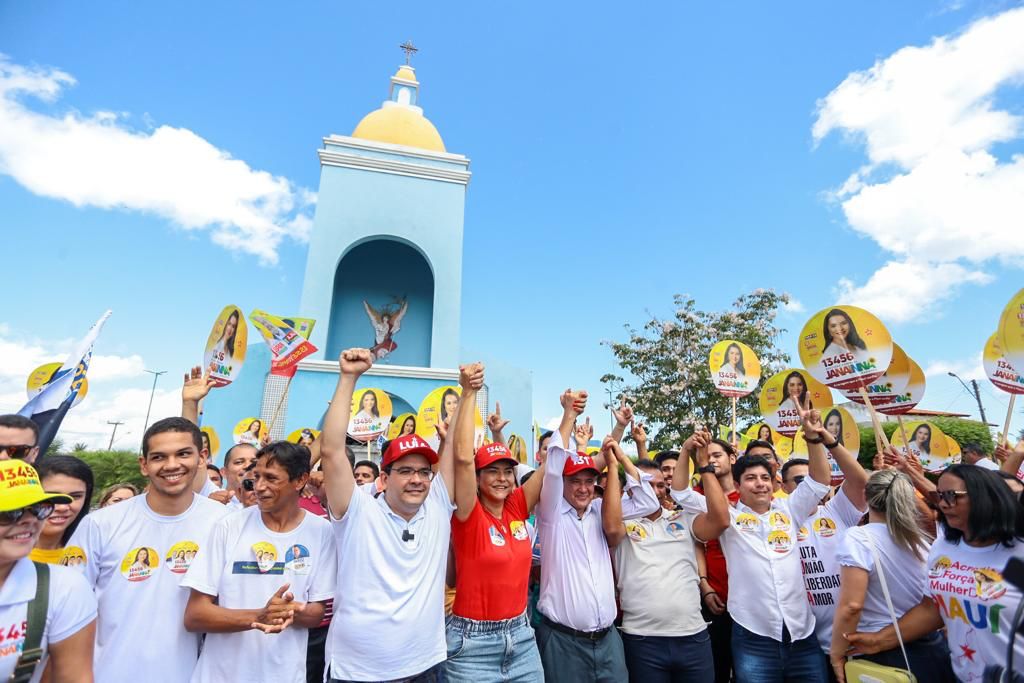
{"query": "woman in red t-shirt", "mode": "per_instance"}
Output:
(489, 631)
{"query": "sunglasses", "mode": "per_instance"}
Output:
(39, 511)
(249, 484)
(19, 452)
(947, 497)
(797, 479)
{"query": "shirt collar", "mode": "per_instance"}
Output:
(567, 508)
(397, 517)
(20, 585)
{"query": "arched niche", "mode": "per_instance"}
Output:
(383, 273)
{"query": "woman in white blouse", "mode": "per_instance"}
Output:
(902, 548)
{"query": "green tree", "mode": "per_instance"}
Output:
(667, 359)
(112, 467)
(79, 447)
(56, 446)
(960, 430)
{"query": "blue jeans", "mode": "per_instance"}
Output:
(757, 659)
(669, 659)
(481, 651)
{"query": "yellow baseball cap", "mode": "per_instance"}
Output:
(20, 487)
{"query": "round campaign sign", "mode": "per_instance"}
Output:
(845, 347)
(304, 437)
(41, 376)
(886, 388)
(250, 430)
(760, 431)
(911, 395)
(225, 347)
(783, 447)
(781, 394)
(735, 369)
(371, 414)
(999, 370)
(928, 443)
(401, 425)
(1011, 330)
(211, 442)
(842, 427)
(955, 454)
(518, 448)
(440, 405)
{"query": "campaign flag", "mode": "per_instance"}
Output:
(286, 344)
(48, 408)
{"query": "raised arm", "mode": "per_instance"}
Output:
(471, 379)
(338, 480)
(623, 416)
(640, 439)
(640, 499)
(856, 478)
(910, 466)
(817, 459)
(495, 423)
(611, 508)
(195, 388)
(573, 403)
(1011, 460)
(716, 520)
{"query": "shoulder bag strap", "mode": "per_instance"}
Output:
(32, 651)
(885, 592)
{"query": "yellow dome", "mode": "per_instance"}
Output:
(405, 73)
(400, 126)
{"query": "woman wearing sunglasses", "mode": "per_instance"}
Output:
(66, 642)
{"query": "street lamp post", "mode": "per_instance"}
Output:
(976, 393)
(156, 374)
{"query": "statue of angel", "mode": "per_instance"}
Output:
(386, 324)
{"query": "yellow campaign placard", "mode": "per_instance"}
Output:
(518, 448)
(999, 370)
(1011, 330)
(955, 454)
(735, 369)
(842, 427)
(371, 414)
(225, 347)
(928, 443)
(402, 425)
(845, 347)
(891, 384)
(911, 395)
(304, 437)
(439, 406)
(211, 441)
(761, 431)
(41, 376)
(783, 447)
(250, 430)
(781, 394)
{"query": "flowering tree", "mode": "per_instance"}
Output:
(667, 361)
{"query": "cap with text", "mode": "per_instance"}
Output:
(20, 487)
(410, 444)
(578, 462)
(490, 453)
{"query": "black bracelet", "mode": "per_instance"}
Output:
(832, 445)
(815, 441)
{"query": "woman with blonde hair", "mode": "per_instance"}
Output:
(892, 548)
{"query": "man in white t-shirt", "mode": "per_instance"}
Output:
(663, 635)
(237, 461)
(135, 554)
(392, 551)
(773, 626)
(69, 631)
(261, 581)
(972, 454)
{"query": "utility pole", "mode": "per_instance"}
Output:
(156, 374)
(976, 393)
(115, 423)
(611, 388)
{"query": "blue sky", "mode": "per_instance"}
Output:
(619, 155)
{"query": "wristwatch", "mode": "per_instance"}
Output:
(707, 469)
(832, 445)
(812, 440)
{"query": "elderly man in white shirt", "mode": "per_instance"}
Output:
(576, 636)
(773, 626)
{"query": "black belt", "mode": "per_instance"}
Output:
(584, 635)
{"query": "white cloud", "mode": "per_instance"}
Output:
(171, 172)
(921, 287)
(794, 306)
(967, 369)
(933, 193)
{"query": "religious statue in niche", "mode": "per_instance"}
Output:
(386, 322)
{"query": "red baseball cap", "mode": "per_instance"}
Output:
(490, 453)
(410, 444)
(579, 462)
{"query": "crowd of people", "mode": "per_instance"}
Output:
(296, 563)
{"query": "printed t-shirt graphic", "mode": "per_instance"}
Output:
(243, 563)
(133, 586)
(71, 607)
(976, 603)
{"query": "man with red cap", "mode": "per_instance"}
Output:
(576, 637)
(489, 630)
(392, 552)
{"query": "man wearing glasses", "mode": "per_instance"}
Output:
(392, 551)
(18, 438)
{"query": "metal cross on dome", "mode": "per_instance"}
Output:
(409, 49)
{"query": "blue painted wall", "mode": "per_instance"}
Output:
(381, 272)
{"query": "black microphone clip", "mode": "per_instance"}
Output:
(406, 536)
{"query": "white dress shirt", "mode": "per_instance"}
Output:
(766, 583)
(576, 584)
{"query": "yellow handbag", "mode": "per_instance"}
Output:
(863, 671)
